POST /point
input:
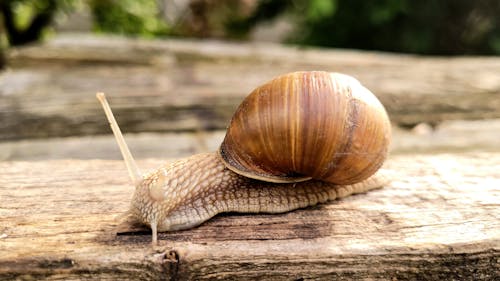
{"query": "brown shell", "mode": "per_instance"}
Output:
(305, 125)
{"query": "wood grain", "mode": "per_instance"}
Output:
(179, 85)
(450, 136)
(439, 219)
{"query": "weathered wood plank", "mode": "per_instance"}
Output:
(438, 219)
(449, 136)
(177, 85)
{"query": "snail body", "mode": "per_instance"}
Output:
(301, 139)
(186, 193)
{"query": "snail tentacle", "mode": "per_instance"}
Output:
(133, 171)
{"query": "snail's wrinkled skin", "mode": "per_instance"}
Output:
(188, 192)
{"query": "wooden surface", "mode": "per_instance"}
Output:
(438, 219)
(448, 136)
(61, 207)
(177, 85)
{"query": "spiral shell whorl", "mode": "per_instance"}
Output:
(304, 125)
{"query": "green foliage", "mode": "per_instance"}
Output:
(25, 11)
(444, 27)
(319, 10)
(26, 21)
(132, 17)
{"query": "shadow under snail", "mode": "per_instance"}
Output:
(300, 139)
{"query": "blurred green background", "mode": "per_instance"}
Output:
(433, 27)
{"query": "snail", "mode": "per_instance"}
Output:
(300, 139)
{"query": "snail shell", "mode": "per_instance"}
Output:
(308, 125)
